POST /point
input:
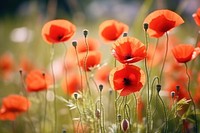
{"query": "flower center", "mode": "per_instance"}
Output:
(127, 81)
(128, 57)
(59, 37)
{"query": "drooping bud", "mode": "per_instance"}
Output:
(172, 94)
(146, 26)
(97, 113)
(125, 125)
(100, 87)
(158, 87)
(85, 32)
(74, 43)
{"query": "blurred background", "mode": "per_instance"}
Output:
(21, 22)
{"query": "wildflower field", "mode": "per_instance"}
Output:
(94, 69)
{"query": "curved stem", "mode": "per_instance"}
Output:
(165, 57)
(79, 68)
(165, 113)
(188, 89)
(85, 65)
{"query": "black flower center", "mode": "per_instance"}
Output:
(128, 57)
(127, 81)
(59, 37)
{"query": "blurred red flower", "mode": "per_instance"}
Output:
(128, 50)
(196, 17)
(36, 81)
(6, 65)
(102, 74)
(93, 59)
(73, 84)
(179, 94)
(12, 106)
(127, 79)
(161, 21)
(57, 31)
(184, 53)
(93, 45)
(111, 30)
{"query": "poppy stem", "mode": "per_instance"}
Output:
(74, 43)
(26, 95)
(85, 61)
(135, 111)
(165, 112)
(148, 112)
(154, 53)
(194, 107)
(54, 89)
(165, 57)
(82, 129)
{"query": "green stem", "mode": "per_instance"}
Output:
(165, 57)
(148, 113)
(165, 113)
(80, 117)
(194, 107)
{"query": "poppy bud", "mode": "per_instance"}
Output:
(119, 117)
(76, 96)
(172, 94)
(74, 43)
(97, 113)
(85, 32)
(64, 131)
(124, 125)
(20, 71)
(125, 34)
(100, 87)
(158, 87)
(146, 26)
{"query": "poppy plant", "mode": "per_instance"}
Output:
(12, 106)
(57, 31)
(127, 79)
(196, 17)
(37, 81)
(128, 50)
(184, 53)
(111, 30)
(161, 21)
(93, 59)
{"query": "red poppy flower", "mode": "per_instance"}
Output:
(161, 21)
(127, 79)
(73, 84)
(183, 52)
(196, 17)
(36, 81)
(128, 50)
(197, 97)
(57, 31)
(12, 106)
(111, 30)
(93, 59)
